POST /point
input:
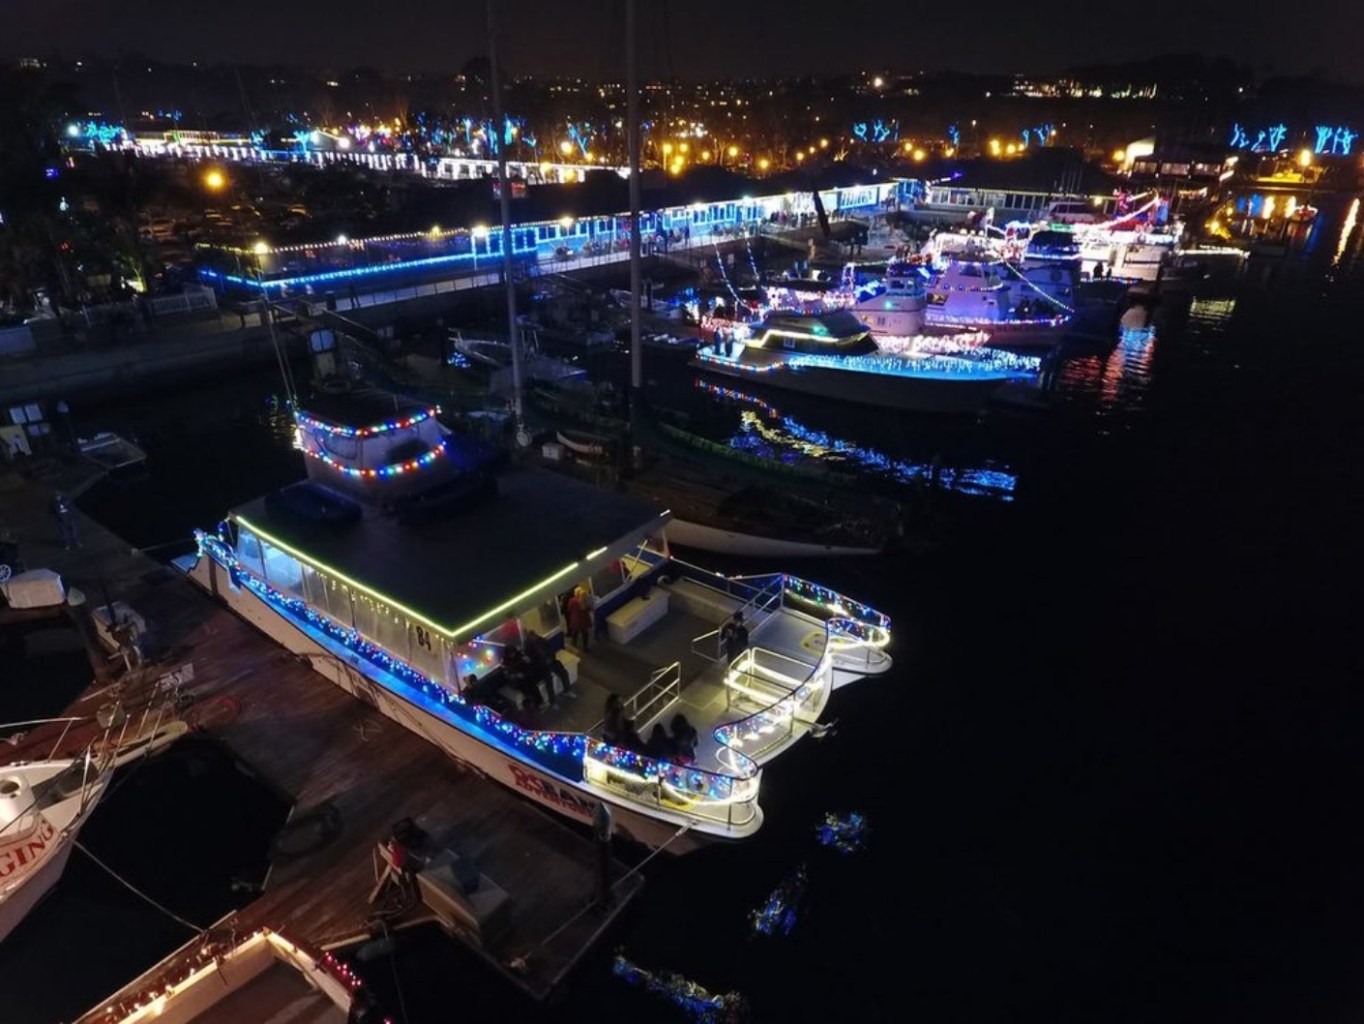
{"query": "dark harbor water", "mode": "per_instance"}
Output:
(1114, 774)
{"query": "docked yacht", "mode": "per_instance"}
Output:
(994, 297)
(833, 355)
(405, 569)
(895, 305)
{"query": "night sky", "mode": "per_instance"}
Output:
(699, 38)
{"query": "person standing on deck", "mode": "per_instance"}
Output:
(66, 523)
(579, 614)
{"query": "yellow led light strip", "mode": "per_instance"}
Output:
(453, 634)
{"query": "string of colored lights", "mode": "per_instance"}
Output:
(720, 262)
(778, 913)
(305, 420)
(563, 747)
(700, 1005)
(986, 482)
(1070, 310)
(846, 833)
(382, 472)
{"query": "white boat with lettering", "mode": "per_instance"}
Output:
(417, 578)
(43, 804)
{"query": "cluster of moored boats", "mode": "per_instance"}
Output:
(940, 331)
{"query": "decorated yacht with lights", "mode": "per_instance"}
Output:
(833, 355)
(418, 571)
(993, 296)
(895, 305)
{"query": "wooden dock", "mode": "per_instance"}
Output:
(351, 774)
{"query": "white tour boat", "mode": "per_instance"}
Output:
(833, 355)
(405, 573)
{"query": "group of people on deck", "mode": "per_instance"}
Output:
(534, 671)
(676, 743)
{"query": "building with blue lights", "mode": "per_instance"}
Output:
(550, 221)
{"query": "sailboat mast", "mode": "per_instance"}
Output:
(632, 120)
(500, 135)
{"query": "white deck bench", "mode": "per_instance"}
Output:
(703, 602)
(636, 615)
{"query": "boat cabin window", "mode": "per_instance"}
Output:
(380, 624)
(249, 552)
(282, 570)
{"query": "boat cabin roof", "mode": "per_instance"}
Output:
(833, 325)
(539, 535)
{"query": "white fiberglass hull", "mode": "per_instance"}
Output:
(1003, 333)
(15, 907)
(362, 680)
(892, 323)
(731, 542)
(35, 847)
(931, 394)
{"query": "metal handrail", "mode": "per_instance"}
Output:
(654, 691)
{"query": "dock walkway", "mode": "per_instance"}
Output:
(350, 772)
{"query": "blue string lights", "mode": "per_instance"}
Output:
(557, 751)
(783, 437)
(700, 1005)
(846, 833)
(777, 915)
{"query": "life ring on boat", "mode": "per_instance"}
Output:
(814, 642)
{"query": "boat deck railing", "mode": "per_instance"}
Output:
(790, 694)
(663, 687)
(761, 600)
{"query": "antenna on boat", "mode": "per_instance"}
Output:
(504, 195)
(632, 122)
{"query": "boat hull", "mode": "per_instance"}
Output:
(912, 394)
(17, 905)
(1003, 334)
(731, 542)
(361, 680)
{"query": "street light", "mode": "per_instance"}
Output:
(215, 180)
(479, 231)
(1304, 158)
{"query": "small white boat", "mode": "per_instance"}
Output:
(43, 804)
(591, 445)
(42, 807)
(112, 452)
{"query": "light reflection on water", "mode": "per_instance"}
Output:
(1112, 381)
(764, 431)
